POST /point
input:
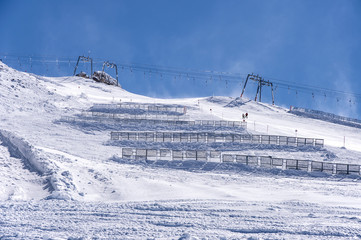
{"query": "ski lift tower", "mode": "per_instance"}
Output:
(111, 65)
(261, 83)
(85, 59)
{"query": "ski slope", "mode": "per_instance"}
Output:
(66, 180)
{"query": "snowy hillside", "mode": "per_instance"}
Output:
(63, 176)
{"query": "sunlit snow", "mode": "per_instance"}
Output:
(65, 179)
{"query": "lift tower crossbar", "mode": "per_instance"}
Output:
(261, 83)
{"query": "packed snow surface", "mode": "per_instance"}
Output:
(63, 178)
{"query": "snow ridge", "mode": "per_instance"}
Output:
(36, 161)
(20, 146)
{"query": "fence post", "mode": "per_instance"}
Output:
(134, 153)
(321, 166)
(309, 166)
(158, 154)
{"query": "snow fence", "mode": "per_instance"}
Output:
(329, 117)
(143, 106)
(169, 120)
(227, 157)
(207, 137)
(146, 116)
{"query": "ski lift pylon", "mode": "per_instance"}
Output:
(85, 59)
(111, 65)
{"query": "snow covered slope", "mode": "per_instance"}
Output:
(45, 160)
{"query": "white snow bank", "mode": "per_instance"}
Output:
(26, 151)
(38, 163)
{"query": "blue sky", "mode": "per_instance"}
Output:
(309, 43)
